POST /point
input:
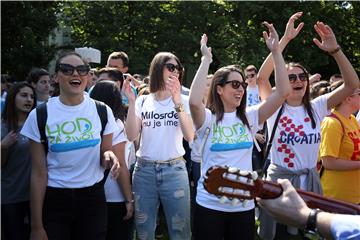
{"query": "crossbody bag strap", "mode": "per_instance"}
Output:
(206, 135)
(267, 151)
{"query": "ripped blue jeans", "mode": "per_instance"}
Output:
(166, 182)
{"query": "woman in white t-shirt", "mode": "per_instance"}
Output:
(162, 119)
(67, 197)
(119, 200)
(296, 141)
(230, 141)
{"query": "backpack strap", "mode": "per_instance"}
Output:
(41, 117)
(102, 112)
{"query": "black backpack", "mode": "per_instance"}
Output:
(41, 115)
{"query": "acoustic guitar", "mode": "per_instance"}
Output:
(236, 184)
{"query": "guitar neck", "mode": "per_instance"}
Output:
(328, 204)
(312, 200)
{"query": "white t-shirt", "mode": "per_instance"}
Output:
(196, 148)
(252, 96)
(296, 143)
(229, 143)
(113, 190)
(161, 136)
(73, 133)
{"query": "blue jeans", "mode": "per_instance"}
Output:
(166, 182)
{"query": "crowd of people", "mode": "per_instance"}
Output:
(93, 153)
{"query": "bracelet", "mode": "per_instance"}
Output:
(311, 221)
(179, 108)
(130, 201)
(335, 50)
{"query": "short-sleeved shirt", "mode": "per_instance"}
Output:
(74, 139)
(252, 96)
(230, 143)
(342, 185)
(161, 135)
(15, 174)
(113, 191)
(296, 144)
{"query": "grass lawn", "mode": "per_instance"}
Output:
(281, 232)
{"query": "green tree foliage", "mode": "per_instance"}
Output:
(24, 40)
(234, 28)
(144, 28)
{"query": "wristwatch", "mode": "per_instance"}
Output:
(179, 108)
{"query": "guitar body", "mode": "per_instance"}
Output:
(233, 183)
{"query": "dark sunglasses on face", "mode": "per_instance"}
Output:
(68, 69)
(171, 67)
(302, 77)
(250, 76)
(236, 84)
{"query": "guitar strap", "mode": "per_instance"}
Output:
(267, 151)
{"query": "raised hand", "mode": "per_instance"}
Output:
(173, 85)
(205, 51)
(328, 40)
(126, 89)
(290, 31)
(315, 78)
(271, 39)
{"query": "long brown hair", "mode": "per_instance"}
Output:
(215, 103)
(156, 81)
(11, 114)
(306, 98)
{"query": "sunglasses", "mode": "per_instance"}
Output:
(250, 76)
(236, 84)
(68, 69)
(171, 67)
(302, 77)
